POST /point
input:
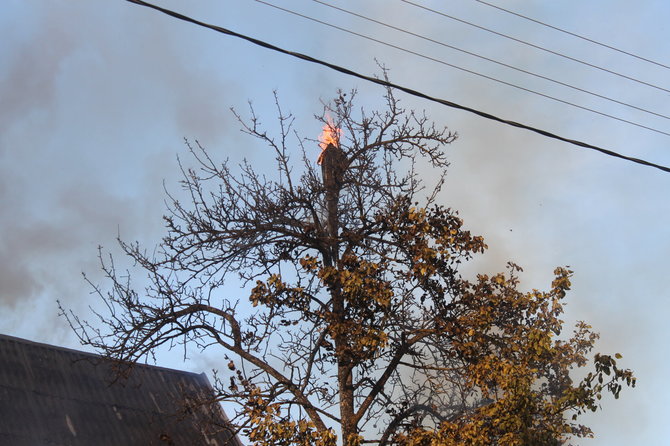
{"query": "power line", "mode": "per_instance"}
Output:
(433, 59)
(407, 90)
(573, 34)
(479, 56)
(556, 53)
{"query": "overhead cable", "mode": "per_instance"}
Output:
(476, 73)
(556, 53)
(573, 34)
(407, 90)
(479, 56)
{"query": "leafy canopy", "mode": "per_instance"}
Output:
(359, 325)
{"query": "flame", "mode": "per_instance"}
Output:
(329, 135)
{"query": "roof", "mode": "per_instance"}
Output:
(56, 396)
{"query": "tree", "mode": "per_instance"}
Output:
(362, 327)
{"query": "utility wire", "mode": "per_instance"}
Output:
(479, 56)
(407, 90)
(433, 59)
(573, 34)
(556, 53)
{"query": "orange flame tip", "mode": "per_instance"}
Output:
(329, 135)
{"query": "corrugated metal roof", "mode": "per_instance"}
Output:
(56, 396)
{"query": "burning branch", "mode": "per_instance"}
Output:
(333, 163)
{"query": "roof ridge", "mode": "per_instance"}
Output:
(99, 356)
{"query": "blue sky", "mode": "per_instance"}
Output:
(98, 97)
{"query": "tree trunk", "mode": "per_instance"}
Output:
(333, 164)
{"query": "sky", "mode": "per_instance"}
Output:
(97, 98)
